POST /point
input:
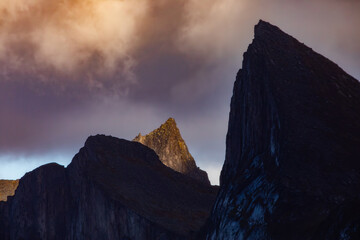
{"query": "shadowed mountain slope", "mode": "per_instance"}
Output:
(113, 189)
(292, 168)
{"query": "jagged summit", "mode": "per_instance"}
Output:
(264, 28)
(167, 129)
(170, 123)
(292, 150)
(171, 148)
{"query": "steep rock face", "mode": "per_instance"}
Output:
(40, 208)
(168, 144)
(292, 168)
(113, 189)
(7, 188)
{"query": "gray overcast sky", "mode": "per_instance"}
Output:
(69, 69)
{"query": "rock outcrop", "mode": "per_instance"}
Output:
(292, 168)
(168, 144)
(113, 189)
(7, 188)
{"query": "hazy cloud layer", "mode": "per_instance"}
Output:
(71, 68)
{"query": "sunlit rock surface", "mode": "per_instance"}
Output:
(292, 168)
(168, 144)
(113, 189)
(7, 188)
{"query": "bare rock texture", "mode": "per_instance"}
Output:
(171, 148)
(7, 188)
(113, 189)
(292, 168)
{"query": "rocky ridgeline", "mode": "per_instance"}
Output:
(168, 144)
(113, 189)
(7, 188)
(292, 168)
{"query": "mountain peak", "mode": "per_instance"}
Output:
(267, 35)
(170, 122)
(292, 143)
(169, 128)
(266, 27)
(171, 148)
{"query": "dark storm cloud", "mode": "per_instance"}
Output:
(74, 68)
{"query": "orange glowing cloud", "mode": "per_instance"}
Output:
(111, 36)
(65, 34)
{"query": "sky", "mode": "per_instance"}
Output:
(74, 68)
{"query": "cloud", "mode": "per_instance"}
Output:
(66, 34)
(94, 40)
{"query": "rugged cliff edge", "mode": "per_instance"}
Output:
(292, 168)
(7, 188)
(168, 144)
(113, 189)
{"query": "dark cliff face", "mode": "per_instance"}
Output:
(168, 144)
(113, 189)
(7, 188)
(292, 168)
